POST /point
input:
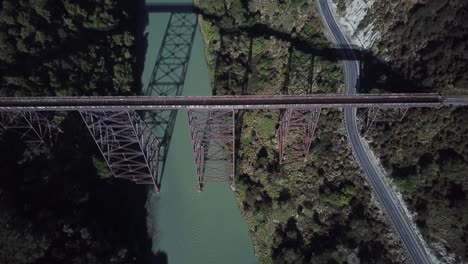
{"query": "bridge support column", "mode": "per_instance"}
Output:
(212, 133)
(33, 127)
(369, 116)
(127, 144)
(296, 125)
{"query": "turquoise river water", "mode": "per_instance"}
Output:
(188, 226)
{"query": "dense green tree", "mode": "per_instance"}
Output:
(60, 204)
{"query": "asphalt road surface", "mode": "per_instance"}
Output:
(384, 193)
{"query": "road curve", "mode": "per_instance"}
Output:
(384, 193)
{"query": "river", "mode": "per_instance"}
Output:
(188, 226)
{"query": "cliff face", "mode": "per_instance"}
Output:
(420, 46)
(354, 19)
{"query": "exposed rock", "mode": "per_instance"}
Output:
(354, 17)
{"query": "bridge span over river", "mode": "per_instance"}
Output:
(132, 151)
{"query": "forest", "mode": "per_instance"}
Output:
(426, 155)
(58, 203)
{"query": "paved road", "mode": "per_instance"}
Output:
(401, 223)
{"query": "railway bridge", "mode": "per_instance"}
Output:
(133, 132)
(132, 151)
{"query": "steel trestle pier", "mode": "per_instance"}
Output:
(303, 122)
(212, 134)
(367, 117)
(32, 126)
(127, 144)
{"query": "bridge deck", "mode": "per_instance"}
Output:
(110, 103)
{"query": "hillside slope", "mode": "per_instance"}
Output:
(420, 46)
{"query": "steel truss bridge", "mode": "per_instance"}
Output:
(132, 151)
(133, 133)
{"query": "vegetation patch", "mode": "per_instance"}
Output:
(427, 156)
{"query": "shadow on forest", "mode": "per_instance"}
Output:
(294, 62)
(375, 73)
